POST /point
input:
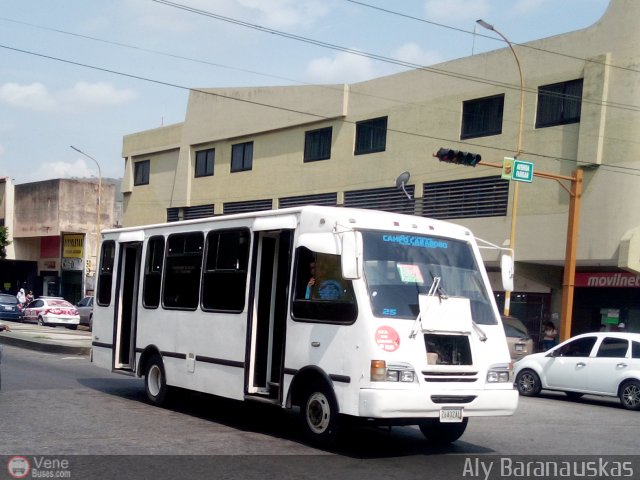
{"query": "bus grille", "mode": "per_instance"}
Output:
(452, 398)
(451, 376)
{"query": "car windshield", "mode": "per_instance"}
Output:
(514, 329)
(399, 267)
(58, 303)
(8, 299)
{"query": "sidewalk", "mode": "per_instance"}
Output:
(47, 339)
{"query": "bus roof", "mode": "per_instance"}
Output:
(320, 218)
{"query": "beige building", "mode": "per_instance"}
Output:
(54, 226)
(243, 149)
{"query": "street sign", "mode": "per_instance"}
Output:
(518, 170)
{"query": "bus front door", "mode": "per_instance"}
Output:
(267, 322)
(127, 305)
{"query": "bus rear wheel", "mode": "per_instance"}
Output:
(319, 415)
(155, 381)
(443, 433)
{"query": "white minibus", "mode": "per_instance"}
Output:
(341, 313)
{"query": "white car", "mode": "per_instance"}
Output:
(602, 363)
(52, 311)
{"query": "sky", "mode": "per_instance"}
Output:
(86, 73)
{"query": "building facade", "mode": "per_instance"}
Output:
(54, 225)
(242, 149)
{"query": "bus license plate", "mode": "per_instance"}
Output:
(451, 415)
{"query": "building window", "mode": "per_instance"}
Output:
(559, 104)
(241, 157)
(141, 172)
(317, 144)
(204, 162)
(371, 136)
(482, 117)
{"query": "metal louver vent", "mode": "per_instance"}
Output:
(326, 199)
(248, 206)
(387, 199)
(469, 198)
(175, 214)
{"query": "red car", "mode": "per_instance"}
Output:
(52, 311)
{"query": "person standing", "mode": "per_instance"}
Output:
(22, 298)
(550, 333)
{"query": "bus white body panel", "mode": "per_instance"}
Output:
(254, 306)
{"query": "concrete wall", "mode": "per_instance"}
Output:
(424, 109)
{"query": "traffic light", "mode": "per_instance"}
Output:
(457, 156)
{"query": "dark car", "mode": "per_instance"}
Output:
(9, 309)
(85, 309)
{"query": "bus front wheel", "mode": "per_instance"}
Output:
(155, 381)
(319, 414)
(443, 433)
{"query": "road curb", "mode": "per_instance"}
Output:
(42, 346)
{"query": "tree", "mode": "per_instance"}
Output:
(4, 242)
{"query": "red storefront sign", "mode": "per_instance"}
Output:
(607, 280)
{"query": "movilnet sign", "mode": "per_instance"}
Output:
(607, 280)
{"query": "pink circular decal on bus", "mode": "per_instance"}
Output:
(387, 338)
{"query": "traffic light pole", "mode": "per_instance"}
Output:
(568, 278)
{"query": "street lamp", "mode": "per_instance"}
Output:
(98, 206)
(516, 188)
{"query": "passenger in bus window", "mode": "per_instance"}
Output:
(326, 281)
(312, 280)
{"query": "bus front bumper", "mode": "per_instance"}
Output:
(380, 403)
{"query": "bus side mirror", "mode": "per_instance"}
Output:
(506, 268)
(351, 257)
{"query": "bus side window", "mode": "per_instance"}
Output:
(182, 271)
(321, 293)
(153, 272)
(105, 278)
(224, 280)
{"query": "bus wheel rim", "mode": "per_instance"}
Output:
(318, 413)
(155, 380)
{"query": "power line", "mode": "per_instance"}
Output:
(613, 168)
(461, 30)
(373, 56)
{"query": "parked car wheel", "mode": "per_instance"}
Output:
(72, 327)
(528, 383)
(630, 395)
(443, 433)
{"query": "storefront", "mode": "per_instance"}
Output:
(606, 301)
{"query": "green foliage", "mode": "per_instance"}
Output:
(4, 241)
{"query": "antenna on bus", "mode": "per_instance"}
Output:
(401, 181)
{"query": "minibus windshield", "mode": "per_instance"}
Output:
(398, 267)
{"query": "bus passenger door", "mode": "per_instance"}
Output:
(267, 322)
(128, 276)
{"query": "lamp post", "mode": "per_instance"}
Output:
(99, 194)
(516, 188)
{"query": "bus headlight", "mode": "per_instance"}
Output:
(499, 373)
(394, 372)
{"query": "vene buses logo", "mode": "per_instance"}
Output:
(18, 467)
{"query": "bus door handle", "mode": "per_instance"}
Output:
(315, 344)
